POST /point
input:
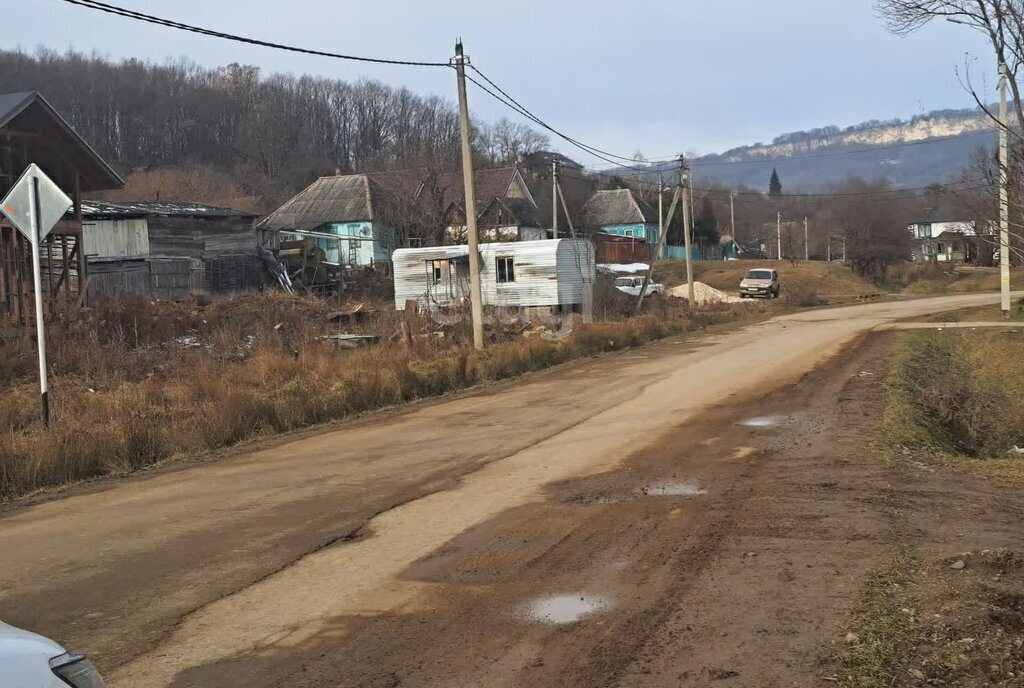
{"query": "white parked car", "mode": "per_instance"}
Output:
(28, 660)
(633, 285)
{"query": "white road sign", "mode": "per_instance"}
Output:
(17, 205)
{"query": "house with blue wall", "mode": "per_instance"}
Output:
(360, 219)
(620, 214)
(343, 215)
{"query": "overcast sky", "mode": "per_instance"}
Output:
(656, 76)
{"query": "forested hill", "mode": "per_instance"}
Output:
(928, 148)
(266, 135)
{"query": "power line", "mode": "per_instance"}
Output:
(505, 98)
(139, 16)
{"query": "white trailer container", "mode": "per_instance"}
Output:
(552, 272)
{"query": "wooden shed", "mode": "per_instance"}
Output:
(170, 250)
(523, 274)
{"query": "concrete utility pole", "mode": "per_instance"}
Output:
(684, 184)
(732, 220)
(661, 203)
(828, 254)
(554, 197)
(844, 249)
(778, 233)
(807, 243)
(1004, 209)
(475, 294)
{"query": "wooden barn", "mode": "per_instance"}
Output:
(31, 131)
(170, 250)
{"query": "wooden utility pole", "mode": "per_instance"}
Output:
(475, 294)
(1004, 211)
(807, 243)
(565, 209)
(554, 197)
(684, 185)
(660, 246)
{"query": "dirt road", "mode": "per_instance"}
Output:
(391, 528)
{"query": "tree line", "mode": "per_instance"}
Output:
(273, 133)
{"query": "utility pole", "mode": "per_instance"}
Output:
(661, 202)
(660, 246)
(828, 254)
(475, 294)
(844, 249)
(778, 233)
(684, 182)
(1004, 210)
(554, 197)
(732, 220)
(807, 243)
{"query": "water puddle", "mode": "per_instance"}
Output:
(565, 609)
(672, 490)
(761, 421)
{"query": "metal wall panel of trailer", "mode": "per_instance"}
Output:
(545, 273)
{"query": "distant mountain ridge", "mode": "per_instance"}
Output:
(908, 153)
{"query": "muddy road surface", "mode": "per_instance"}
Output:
(675, 513)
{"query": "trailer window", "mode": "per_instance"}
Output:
(506, 270)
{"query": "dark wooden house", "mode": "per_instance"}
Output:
(170, 250)
(31, 131)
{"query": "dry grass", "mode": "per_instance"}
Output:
(129, 391)
(930, 278)
(830, 280)
(956, 398)
(883, 632)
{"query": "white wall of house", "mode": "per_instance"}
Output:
(114, 239)
(515, 274)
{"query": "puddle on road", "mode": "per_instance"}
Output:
(565, 609)
(762, 421)
(672, 490)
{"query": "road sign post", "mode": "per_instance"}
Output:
(34, 205)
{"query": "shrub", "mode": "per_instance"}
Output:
(959, 393)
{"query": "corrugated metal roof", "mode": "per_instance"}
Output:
(617, 207)
(102, 209)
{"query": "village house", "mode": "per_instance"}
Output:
(506, 208)
(554, 273)
(359, 219)
(624, 227)
(939, 238)
(31, 131)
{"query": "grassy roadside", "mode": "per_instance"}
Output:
(872, 658)
(956, 399)
(953, 399)
(130, 391)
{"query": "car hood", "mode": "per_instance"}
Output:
(15, 641)
(755, 283)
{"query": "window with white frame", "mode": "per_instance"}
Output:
(505, 269)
